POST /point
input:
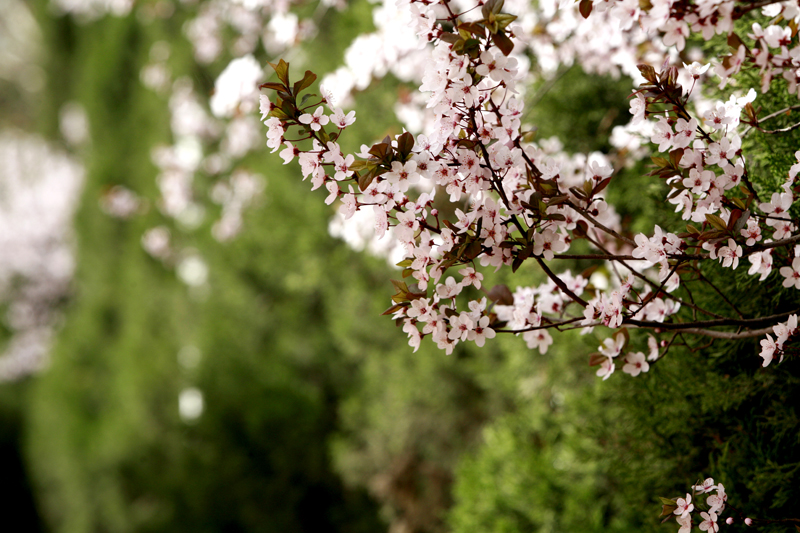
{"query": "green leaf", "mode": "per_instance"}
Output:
(716, 222)
(504, 19)
(400, 286)
(287, 108)
(305, 98)
(282, 70)
(360, 165)
(277, 113)
(472, 47)
(492, 7)
(474, 28)
(305, 83)
(659, 161)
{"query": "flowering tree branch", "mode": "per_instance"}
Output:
(474, 191)
(477, 151)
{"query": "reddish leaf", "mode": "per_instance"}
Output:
(502, 41)
(585, 7)
(596, 359)
(393, 309)
(404, 145)
(272, 85)
(501, 294)
(602, 185)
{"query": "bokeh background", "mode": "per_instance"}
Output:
(189, 344)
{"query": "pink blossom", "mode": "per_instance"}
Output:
(340, 120)
(705, 487)
(606, 368)
(685, 506)
(539, 338)
(315, 121)
(709, 522)
(792, 274)
(634, 364)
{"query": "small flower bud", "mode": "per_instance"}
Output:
(748, 521)
(729, 521)
(434, 212)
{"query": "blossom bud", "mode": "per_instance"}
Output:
(748, 521)
(434, 212)
(729, 521)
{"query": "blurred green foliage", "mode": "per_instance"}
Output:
(105, 444)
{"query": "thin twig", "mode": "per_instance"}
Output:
(684, 326)
(597, 224)
(560, 283)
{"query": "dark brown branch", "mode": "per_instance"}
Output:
(610, 231)
(720, 293)
(654, 285)
(684, 326)
(776, 244)
(551, 325)
(560, 283)
(728, 334)
(770, 116)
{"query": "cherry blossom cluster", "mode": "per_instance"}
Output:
(709, 517)
(690, 512)
(41, 189)
(237, 27)
(775, 50)
(472, 192)
(506, 201)
(784, 331)
(634, 363)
